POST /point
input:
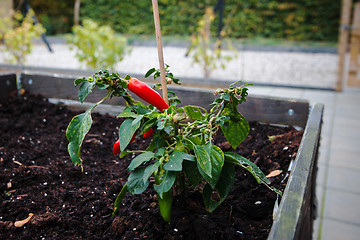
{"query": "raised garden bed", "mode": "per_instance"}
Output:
(39, 178)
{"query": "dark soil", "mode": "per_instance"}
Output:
(37, 176)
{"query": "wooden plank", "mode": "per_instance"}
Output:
(7, 83)
(256, 108)
(276, 110)
(297, 204)
(343, 41)
(58, 86)
(354, 66)
(264, 109)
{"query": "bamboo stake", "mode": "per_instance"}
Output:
(354, 66)
(160, 50)
(343, 41)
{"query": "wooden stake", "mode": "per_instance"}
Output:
(160, 50)
(343, 41)
(354, 65)
(77, 12)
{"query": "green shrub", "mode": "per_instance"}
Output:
(97, 46)
(206, 53)
(55, 16)
(287, 19)
(18, 33)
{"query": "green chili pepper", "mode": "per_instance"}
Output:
(165, 202)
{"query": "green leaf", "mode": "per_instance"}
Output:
(127, 130)
(149, 170)
(118, 199)
(225, 96)
(141, 108)
(203, 160)
(159, 140)
(85, 89)
(207, 197)
(152, 146)
(79, 80)
(140, 159)
(252, 168)
(226, 180)
(167, 182)
(153, 114)
(248, 165)
(135, 182)
(175, 162)
(75, 133)
(124, 153)
(192, 173)
(217, 162)
(127, 77)
(188, 157)
(102, 86)
(168, 128)
(151, 71)
(223, 188)
(127, 113)
(236, 129)
(195, 112)
(160, 152)
(148, 124)
(161, 124)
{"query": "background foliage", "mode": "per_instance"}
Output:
(97, 46)
(289, 19)
(17, 33)
(55, 16)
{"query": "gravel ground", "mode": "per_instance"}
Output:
(317, 70)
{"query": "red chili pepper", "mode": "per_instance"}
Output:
(148, 133)
(147, 94)
(116, 147)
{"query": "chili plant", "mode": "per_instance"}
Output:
(181, 153)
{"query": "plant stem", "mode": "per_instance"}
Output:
(99, 102)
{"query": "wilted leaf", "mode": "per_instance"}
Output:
(23, 222)
(274, 173)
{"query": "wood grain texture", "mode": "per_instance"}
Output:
(296, 211)
(7, 83)
(343, 41)
(354, 65)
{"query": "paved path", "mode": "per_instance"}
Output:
(338, 178)
(317, 70)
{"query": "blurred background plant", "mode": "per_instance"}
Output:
(208, 54)
(300, 20)
(97, 46)
(17, 32)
